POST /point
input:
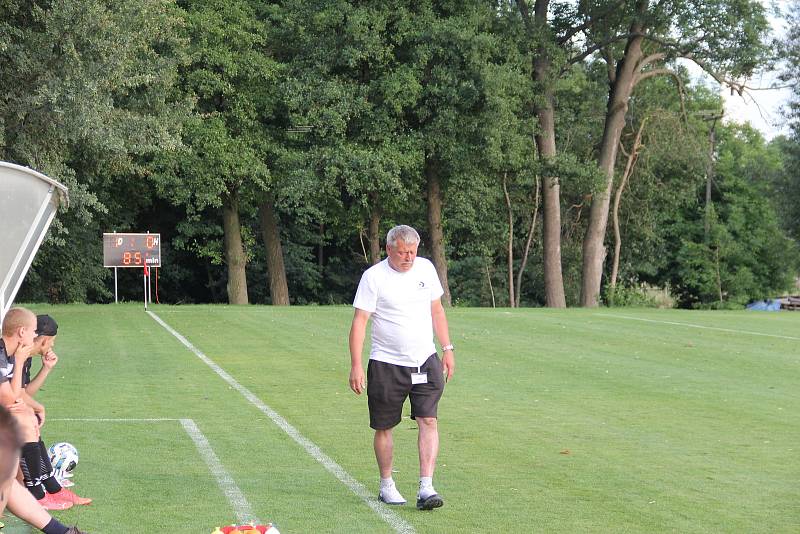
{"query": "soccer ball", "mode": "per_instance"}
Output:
(64, 458)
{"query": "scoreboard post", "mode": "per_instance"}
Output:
(143, 251)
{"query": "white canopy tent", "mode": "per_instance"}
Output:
(28, 202)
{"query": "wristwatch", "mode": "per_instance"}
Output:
(448, 347)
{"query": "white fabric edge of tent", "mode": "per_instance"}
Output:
(58, 194)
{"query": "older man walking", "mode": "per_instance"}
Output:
(402, 295)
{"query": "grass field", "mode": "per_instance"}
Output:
(556, 421)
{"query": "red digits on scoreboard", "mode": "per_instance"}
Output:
(150, 241)
(129, 258)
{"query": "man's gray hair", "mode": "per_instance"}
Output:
(403, 233)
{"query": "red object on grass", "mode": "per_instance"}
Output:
(241, 529)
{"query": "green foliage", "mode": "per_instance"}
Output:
(90, 104)
(155, 115)
(785, 185)
(637, 296)
(745, 256)
(787, 182)
(229, 76)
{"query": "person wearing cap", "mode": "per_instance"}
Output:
(46, 332)
(402, 295)
(37, 471)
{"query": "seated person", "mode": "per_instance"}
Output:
(37, 471)
(17, 344)
(20, 502)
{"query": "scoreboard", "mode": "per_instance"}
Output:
(131, 250)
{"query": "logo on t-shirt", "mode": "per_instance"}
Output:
(421, 284)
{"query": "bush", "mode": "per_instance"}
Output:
(638, 296)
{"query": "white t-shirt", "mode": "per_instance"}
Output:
(400, 303)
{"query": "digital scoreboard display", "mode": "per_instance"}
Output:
(131, 250)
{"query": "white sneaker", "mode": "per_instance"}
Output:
(390, 495)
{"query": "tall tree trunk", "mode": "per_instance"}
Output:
(276, 271)
(234, 250)
(551, 189)
(489, 278)
(374, 231)
(435, 226)
(594, 252)
(712, 142)
(321, 249)
(719, 278)
(531, 231)
(510, 253)
(632, 157)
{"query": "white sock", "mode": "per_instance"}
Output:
(387, 482)
(426, 487)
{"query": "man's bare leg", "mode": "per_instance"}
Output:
(384, 449)
(428, 444)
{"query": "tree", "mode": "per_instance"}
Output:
(787, 183)
(655, 34)
(449, 49)
(230, 76)
(91, 104)
(547, 60)
(506, 161)
(746, 256)
(662, 179)
(352, 83)
(391, 90)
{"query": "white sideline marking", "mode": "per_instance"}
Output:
(244, 513)
(689, 325)
(390, 517)
(241, 507)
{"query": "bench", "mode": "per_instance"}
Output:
(791, 303)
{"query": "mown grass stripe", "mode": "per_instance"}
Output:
(241, 507)
(690, 325)
(114, 420)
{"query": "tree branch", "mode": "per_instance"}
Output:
(528, 243)
(525, 12)
(594, 48)
(632, 157)
(590, 22)
(684, 50)
(610, 70)
(680, 49)
(650, 59)
(656, 72)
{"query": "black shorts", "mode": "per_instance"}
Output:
(388, 385)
